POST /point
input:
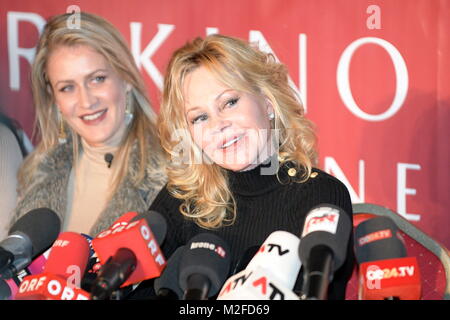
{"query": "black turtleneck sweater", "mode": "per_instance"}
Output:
(264, 205)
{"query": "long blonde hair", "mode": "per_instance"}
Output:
(102, 36)
(204, 188)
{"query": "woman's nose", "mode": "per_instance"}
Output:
(86, 98)
(220, 123)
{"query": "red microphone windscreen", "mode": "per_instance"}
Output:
(68, 256)
(137, 237)
(390, 279)
(46, 286)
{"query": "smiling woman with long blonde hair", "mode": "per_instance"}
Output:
(98, 154)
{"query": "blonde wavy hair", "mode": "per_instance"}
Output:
(102, 36)
(237, 64)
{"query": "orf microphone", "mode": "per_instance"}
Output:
(204, 266)
(323, 248)
(129, 252)
(31, 235)
(62, 274)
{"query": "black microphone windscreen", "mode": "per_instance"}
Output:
(378, 239)
(245, 259)
(5, 291)
(205, 254)
(169, 277)
(156, 222)
(326, 225)
(41, 225)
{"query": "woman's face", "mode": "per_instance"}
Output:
(231, 127)
(89, 94)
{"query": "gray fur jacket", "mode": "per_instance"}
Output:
(48, 188)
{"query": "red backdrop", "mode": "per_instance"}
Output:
(374, 76)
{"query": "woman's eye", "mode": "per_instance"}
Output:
(99, 78)
(231, 102)
(66, 88)
(199, 118)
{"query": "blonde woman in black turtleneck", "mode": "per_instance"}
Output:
(241, 153)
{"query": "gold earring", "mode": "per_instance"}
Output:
(62, 137)
(128, 113)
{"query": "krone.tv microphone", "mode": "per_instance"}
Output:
(204, 266)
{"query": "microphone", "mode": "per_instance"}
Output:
(5, 290)
(129, 252)
(31, 235)
(245, 259)
(204, 266)
(35, 267)
(385, 271)
(68, 257)
(323, 248)
(109, 158)
(62, 273)
(270, 275)
(279, 256)
(167, 286)
(377, 239)
(92, 267)
(255, 284)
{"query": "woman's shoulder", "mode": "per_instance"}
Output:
(322, 187)
(319, 176)
(165, 203)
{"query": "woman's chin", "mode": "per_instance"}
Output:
(238, 167)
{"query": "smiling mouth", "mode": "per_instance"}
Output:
(93, 116)
(229, 143)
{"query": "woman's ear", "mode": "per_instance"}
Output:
(269, 108)
(128, 87)
(49, 89)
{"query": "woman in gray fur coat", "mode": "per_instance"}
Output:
(98, 155)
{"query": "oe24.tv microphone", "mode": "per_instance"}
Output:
(204, 266)
(167, 286)
(323, 248)
(129, 252)
(31, 235)
(62, 274)
(270, 275)
(385, 271)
